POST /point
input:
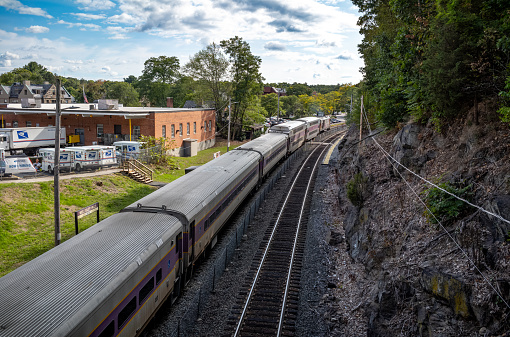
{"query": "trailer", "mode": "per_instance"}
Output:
(28, 140)
(2, 162)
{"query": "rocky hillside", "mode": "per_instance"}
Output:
(421, 273)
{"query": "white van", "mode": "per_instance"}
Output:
(48, 158)
(127, 149)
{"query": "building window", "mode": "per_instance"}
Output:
(180, 129)
(194, 127)
(26, 92)
(205, 126)
(187, 128)
(136, 131)
(14, 124)
(29, 124)
(172, 131)
(210, 126)
(99, 128)
(163, 131)
(117, 129)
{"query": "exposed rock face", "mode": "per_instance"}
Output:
(418, 281)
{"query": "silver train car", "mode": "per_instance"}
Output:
(312, 127)
(111, 279)
(296, 132)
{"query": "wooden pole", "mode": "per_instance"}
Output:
(361, 118)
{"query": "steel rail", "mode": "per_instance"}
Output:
(238, 328)
(296, 240)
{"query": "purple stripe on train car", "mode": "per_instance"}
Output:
(167, 265)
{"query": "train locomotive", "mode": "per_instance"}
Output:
(111, 279)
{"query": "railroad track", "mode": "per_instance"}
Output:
(267, 304)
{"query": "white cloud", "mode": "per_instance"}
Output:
(106, 69)
(91, 5)
(7, 57)
(22, 9)
(37, 29)
(85, 16)
(74, 61)
(117, 33)
(82, 26)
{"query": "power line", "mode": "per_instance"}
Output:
(388, 156)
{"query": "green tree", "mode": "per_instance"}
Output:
(246, 78)
(162, 69)
(270, 104)
(123, 91)
(209, 67)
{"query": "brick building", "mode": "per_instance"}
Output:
(104, 122)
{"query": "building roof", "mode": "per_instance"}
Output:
(85, 110)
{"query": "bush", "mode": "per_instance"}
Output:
(443, 206)
(356, 188)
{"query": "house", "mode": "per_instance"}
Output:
(34, 93)
(273, 90)
(106, 122)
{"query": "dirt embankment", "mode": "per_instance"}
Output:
(420, 277)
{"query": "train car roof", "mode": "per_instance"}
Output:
(265, 143)
(191, 192)
(308, 119)
(39, 297)
(287, 126)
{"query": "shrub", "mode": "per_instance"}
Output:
(356, 188)
(445, 207)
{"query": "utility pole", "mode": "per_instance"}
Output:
(361, 118)
(56, 167)
(228, 135)
(278, 118)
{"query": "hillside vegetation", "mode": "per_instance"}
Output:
(434, 59)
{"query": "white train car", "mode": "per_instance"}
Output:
(296, 130)
(272, 147)
(325, 123)
(312, 126)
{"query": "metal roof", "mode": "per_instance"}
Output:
(190, 193)
(40, 296)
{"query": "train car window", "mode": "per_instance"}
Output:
(159, 276)
(109, 331)
(126, 312)
(146, 290)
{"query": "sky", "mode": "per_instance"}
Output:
(304, 41)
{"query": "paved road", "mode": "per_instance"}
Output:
(43, 176)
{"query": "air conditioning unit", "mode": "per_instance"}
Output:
(30, 103)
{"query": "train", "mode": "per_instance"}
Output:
(112, 278)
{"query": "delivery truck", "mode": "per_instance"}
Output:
(28, 140)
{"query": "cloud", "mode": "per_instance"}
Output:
(344, 57)
(91, 5)
(85, 16)
(7, 57)
(82, 26)
(117, 33)
(325, 43)
(275, 46)
(285, 26)
(74, 61)
(37, 29)
(22, 9)
(272, 7)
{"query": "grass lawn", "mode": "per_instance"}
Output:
(27, 215)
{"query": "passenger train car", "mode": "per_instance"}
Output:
(312, 127)
(110, 279)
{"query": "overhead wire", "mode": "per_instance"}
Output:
(388, 156)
